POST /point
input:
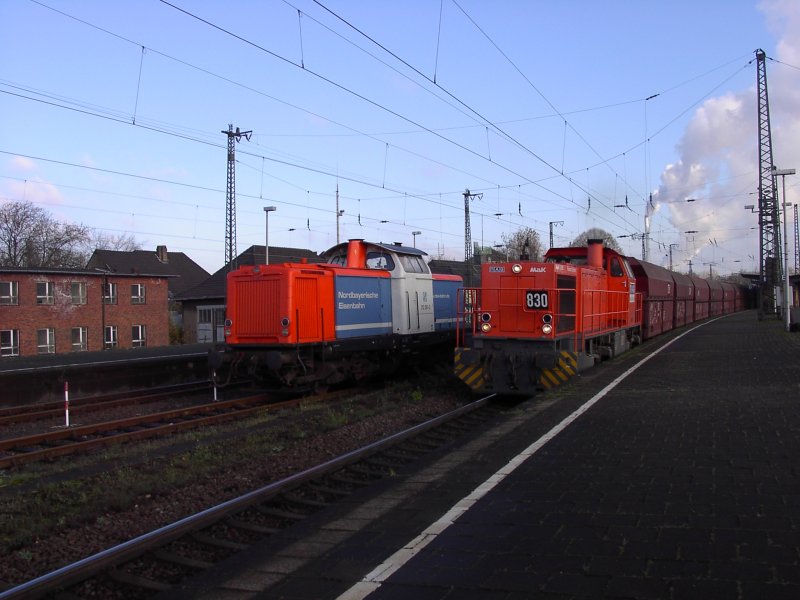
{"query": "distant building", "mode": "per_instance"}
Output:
(182, 271)
(47, 311)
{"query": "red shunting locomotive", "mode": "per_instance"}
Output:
(533, 325)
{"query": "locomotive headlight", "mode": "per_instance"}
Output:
(486, 327)
(486, 317)
(285, 326)
(547, 329)
(516, 268)
(547, 318)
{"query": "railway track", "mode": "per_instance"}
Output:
(53, 444)
(46, 410)
(156, 562)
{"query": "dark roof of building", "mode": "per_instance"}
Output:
(186, 273)
(71, 271)
(213, 287)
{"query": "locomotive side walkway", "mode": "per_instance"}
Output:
(680, 481)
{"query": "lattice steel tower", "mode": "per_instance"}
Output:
(769, 225)
(468, 252)
(230, 196)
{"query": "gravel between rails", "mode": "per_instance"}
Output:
(233, 459)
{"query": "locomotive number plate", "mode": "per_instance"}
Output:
(537, 300)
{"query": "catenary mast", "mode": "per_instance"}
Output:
(769, 225)
(230, 195)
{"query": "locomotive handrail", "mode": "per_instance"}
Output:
(595, 312)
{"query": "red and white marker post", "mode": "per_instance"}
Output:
(66, 403)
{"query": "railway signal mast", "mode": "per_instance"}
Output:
(768, 218)
(230, 195)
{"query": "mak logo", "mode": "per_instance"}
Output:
(538, 270)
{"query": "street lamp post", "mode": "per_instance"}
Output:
(415, 234)
(267, 210)
(786, 298)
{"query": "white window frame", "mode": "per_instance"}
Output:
(80, 287)
(82, 345)
(110, 339)
(138, 293)
(9, 293)
(48, 297)
(109, 293)
(138, 336)
(48, 344)
(9, 342)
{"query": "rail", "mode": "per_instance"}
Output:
(112, 557)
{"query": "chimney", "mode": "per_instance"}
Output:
(161, 253)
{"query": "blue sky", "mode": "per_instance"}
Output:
(112, 115)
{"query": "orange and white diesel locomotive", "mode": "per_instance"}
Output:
(304, 326)
(532, 325)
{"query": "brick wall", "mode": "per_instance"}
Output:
(63, 315)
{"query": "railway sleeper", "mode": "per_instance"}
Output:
(326, 489)
(180, 560)
(346, 479)
(251, 527)
(272, 511)
(366, 471)
(138, 581)
(406, 455)
(386, 462)
(210, 540)
(295, 498)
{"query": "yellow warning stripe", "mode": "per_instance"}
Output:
(472, 375)
(567, 367)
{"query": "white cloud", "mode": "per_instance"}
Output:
(718, 152)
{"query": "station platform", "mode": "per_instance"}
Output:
(41, 378)
(670, 472)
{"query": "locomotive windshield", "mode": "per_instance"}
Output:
(572, 260)
(380, 260)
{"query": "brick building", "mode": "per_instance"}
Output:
(46, 311)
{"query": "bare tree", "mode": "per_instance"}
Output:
(524, 244)
(124, 242)
(30, 237)
(595, 233)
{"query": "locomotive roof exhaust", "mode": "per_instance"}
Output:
(356, 254)
(595, 253)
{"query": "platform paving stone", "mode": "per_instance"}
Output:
(682, 482)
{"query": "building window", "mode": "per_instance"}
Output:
(138, 338)
(44, 292)
(46, 341)
(110, 337)
(80, 339)
(78, 292)
(109, 293)
(137, 293)
(8, 292)
(9, 342)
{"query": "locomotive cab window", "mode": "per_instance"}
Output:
(572, 260)
(339, 259)
(615, 268)
(380, 261)
(413, 264)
